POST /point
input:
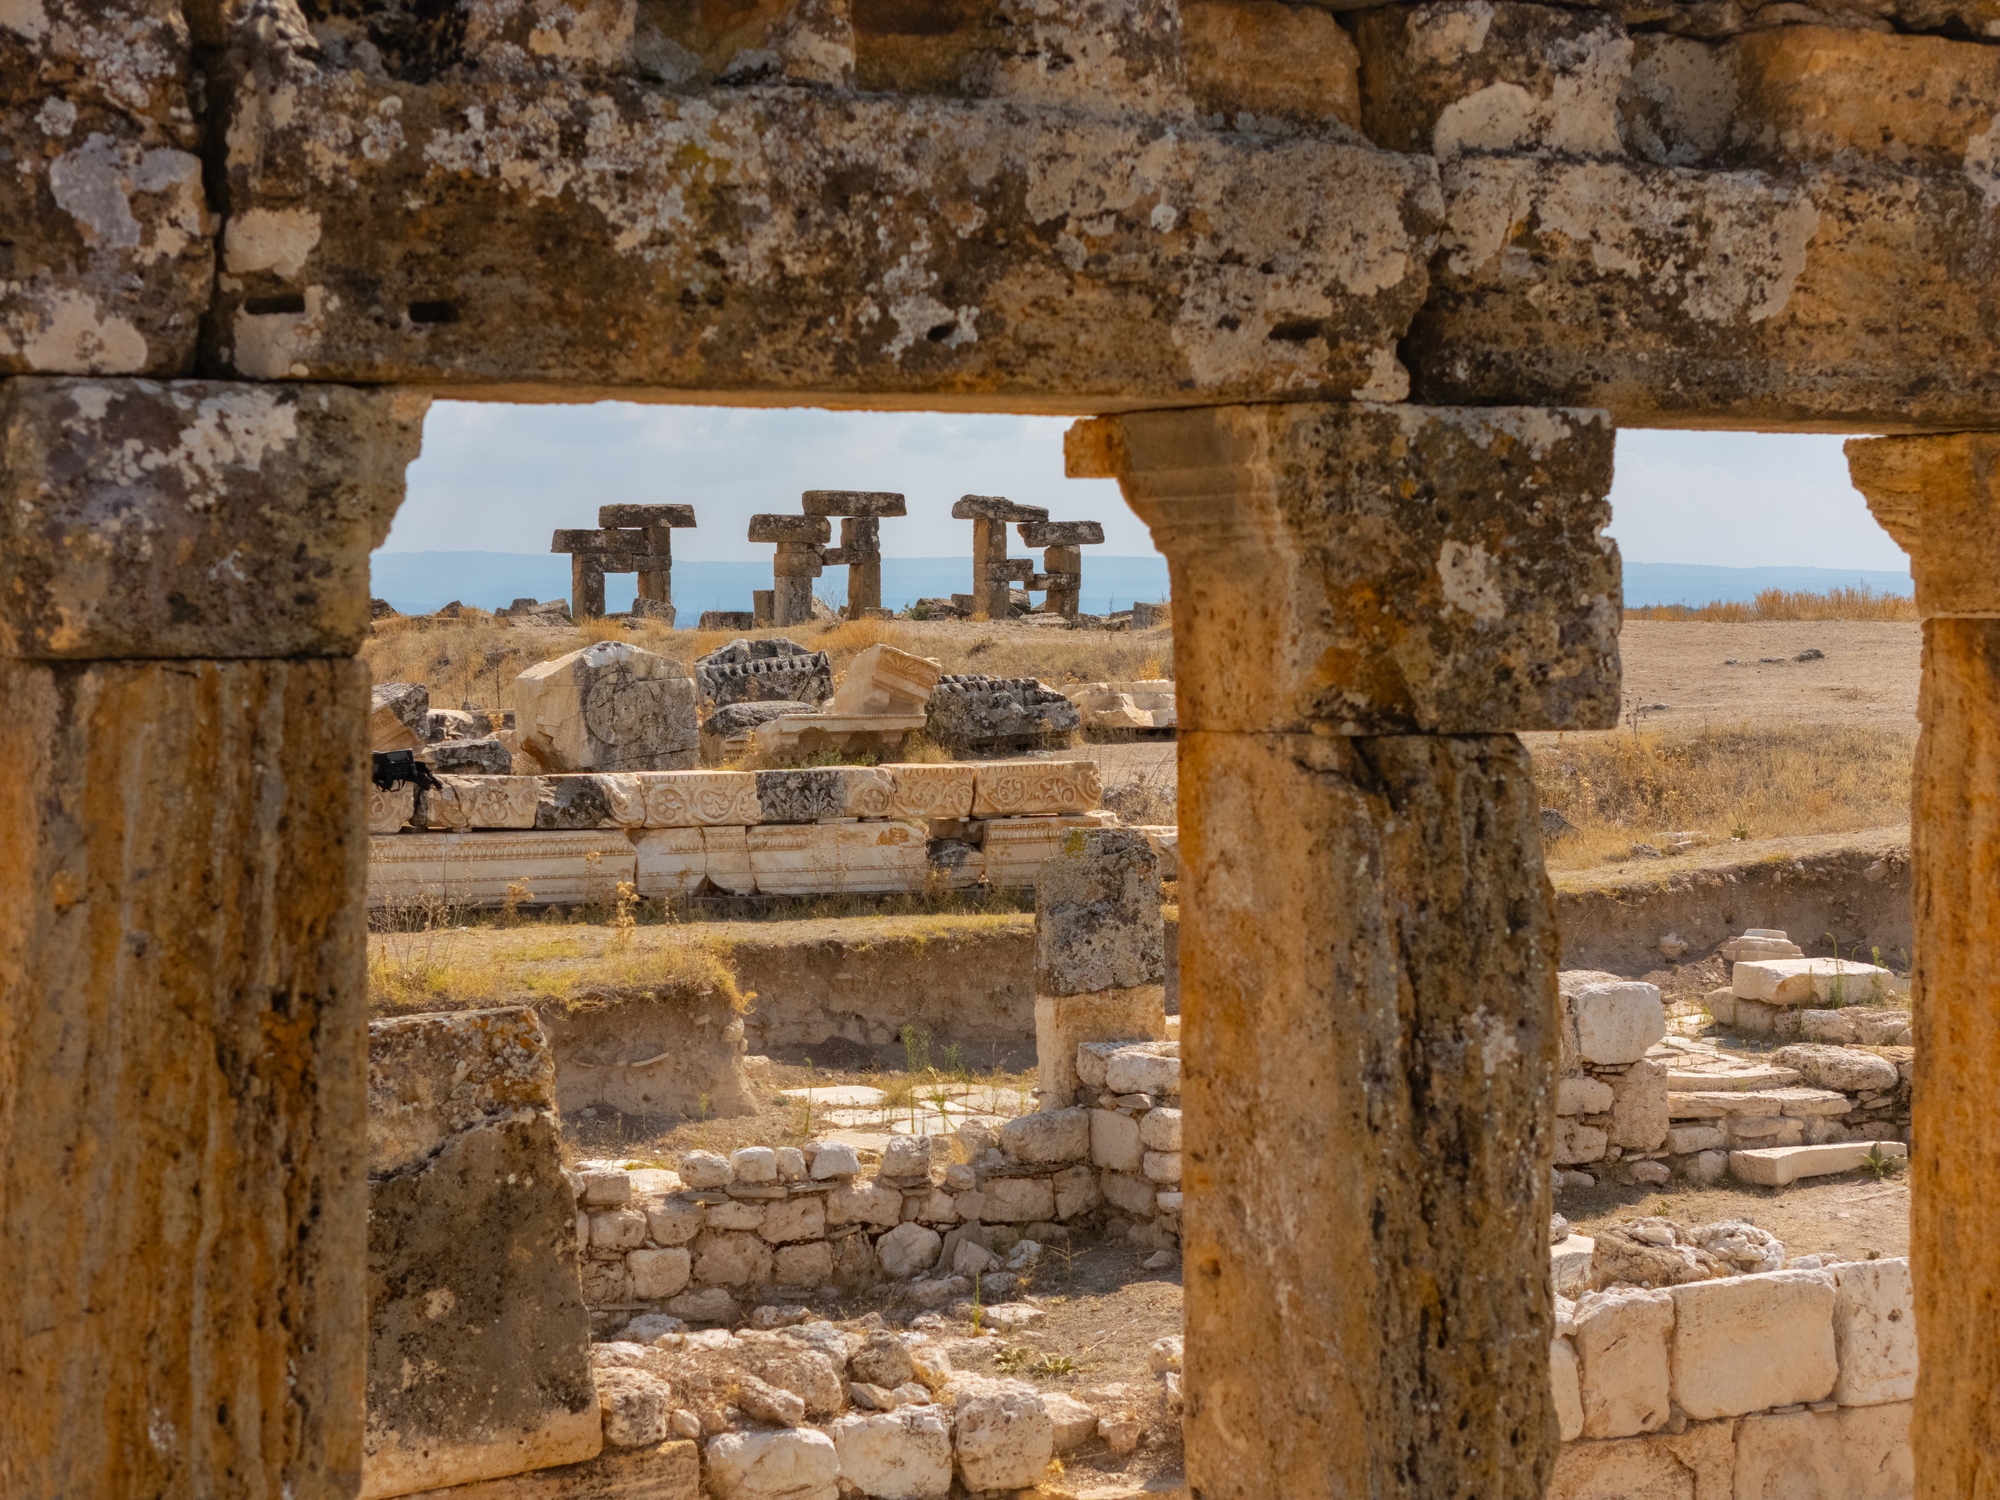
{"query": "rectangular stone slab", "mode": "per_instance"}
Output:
(1390, 569)
(475, 869)
(853, 503)
(931, 791)
(1777, 1166)
(645, 515)
(672, 861)
(790, 529)
(995, 508)
(194, 519)
(1013, 850)
(1062, 533)
(811, 859)
(1020, 788)
(1796, 981)
(671, 1471)
(693, 799)
(182, 1077)
(602, 540)
(472, 1259)
(824, 242)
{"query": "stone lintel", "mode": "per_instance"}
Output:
(1936, 497)
(645, 515)
(602, 540)
(995, 508)
(790, 529)
(853, 503)
(196, 519)
(1062, 533)
(1380, 569)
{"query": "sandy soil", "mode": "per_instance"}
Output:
(1853, 1215)
(1868, 676)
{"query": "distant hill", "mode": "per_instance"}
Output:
(418, 582)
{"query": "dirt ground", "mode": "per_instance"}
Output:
(1853, 1215)
(1868, 675)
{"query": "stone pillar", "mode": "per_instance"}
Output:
(1364, 599)
(861, 513)
(1100, 952)
(991, 571)
(861, 550)
(586, 587)
(653, 558)
(800, 543)
(1939, 497)
(183, 586)
(1063, 567)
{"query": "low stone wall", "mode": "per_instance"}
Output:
(1647, 1107)
(533, 840)
(765, 1225)
(1854, 887)
(1783, 1385)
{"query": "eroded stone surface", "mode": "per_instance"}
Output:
(137, 517)
(611, 706)
(1294, 543)
(478, 1341)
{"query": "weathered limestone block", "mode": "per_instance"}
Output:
(1615, 1023)
(1097, 917)
(1003, 1438)
(611, 706)
(726, 856)
(1874, 1332)
(693, 799)
(110, 235)
(1764, 293)
(476, 869)
(397, 715)
(899, 1455)
(1639, 1110)
(1622, 1341)
(1014, 789)
(136, 518)
(764, 671)
(671, 861)
(1745, 1343)
(1472, 76)
(1796, 981)
(389, 811)
(1262, 57)
(1937, 497)
(1698, 1464)
(647, 1057)
(1295, 263)
(883, 680)
(969, 712)
(793, 1463)
(1293, 540)
(1413, 1089)
(931, 791)
(806, 859)
(182, 1004)
(471, 802)
(822, 793)
(666, 1471)
(472, 1259)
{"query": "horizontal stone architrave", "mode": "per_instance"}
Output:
(1816, 297)
(778, 240)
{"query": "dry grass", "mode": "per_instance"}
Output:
(1737, 781)
(473, 660)
(1859, 602)
(435, 958)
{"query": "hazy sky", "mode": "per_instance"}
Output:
(498, 478)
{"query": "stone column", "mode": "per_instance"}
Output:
(586, 586)
(183, 585)
(654, 562)
(800, 543)
(991, 571)
(1100, 953)
(860, 550)
(1365, 599)
(1939, 497)
(1064, 569)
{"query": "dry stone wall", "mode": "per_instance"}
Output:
(764, 1225)
(1794, 1382)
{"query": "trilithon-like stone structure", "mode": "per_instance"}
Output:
(1272, 248)
(860, 549)
(629, 539)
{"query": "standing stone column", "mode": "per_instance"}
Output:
(1100, 952)
(183, 586)
(1364, 599)
(655, 566)
(861, 513)
(800, 543)
(1939, 497)
(991, 570)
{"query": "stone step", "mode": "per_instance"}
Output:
(1799, 981)
(1777, 1166)
(1713, 1103)
(1736, 1079)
